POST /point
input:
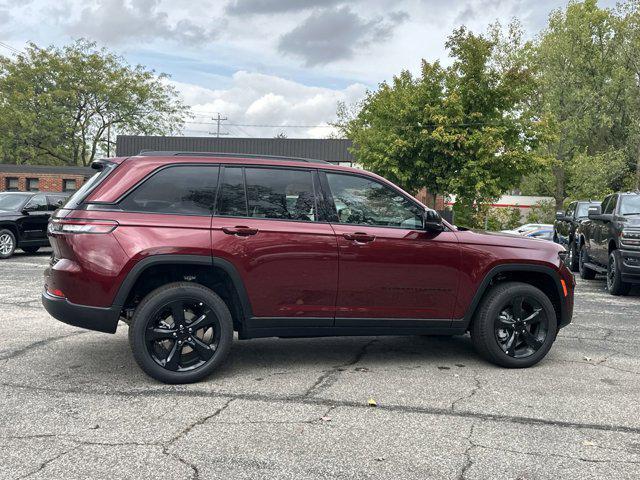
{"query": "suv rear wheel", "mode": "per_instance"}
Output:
(181, 332)
(585, 272)
(615, 285)
(515, 325)
(7, 243)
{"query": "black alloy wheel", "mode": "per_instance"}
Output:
(515, 325)
(182, 335)
(572, 257)
(181, 332)
(521, 327)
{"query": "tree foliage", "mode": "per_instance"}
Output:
(466, 129)
(60, 105)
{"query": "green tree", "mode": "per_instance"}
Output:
(62, 105)
(584, 89)
(465, 130)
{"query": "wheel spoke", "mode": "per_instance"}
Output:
(177, 312)
(204, 351)
(154, 334)
(173, 358)
(510, 345)
(530, 340)
(518, 312)
(533, 318)
(204, 320)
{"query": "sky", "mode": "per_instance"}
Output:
(267, 66)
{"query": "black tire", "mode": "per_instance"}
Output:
(585, 272)
(572, 256)
(151, 313)
(493, 314)
(7, 243)
(615, 285)
(30, 250)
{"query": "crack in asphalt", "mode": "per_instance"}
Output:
(44, 464)
(185, 431)
(468, 462)
(39, 343)
(330, 377)
(468, 395)
(306, 400)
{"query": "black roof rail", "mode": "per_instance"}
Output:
(153, 153)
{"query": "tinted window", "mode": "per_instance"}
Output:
(186, 190)
(364, 201)
(232, 200)
(87, 187)
(280, 194)
(570, 210)
(37, 203)
(611, 206)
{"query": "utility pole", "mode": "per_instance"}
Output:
(219, 119)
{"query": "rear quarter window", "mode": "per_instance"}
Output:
(178, 190)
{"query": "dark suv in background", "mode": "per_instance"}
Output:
(23, 220)
(609, 242)
(565, 227)
(188, 248)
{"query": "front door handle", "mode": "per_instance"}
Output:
(359, 237)
(240, 231)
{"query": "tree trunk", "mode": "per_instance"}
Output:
(558, 172)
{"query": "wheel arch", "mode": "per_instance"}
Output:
(218, 274)
(543, 277)
(13, 229)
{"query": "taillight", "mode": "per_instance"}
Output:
(82, 226)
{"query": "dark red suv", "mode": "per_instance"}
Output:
(188, 248)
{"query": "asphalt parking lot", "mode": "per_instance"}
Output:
(74, 405)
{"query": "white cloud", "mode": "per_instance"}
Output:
(258, 99)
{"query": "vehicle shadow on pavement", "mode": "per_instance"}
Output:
(111, 356)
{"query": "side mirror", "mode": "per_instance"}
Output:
(432, 221)
(560, 216)
(594, 212)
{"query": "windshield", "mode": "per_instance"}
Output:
(12, 201)
(630, 205)
(77, 198)
(583, 209)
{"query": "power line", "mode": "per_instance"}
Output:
(10, 48)
(218, 120)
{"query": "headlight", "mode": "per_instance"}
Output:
(630, 237)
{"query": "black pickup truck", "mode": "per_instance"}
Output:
(565, 227)
(23, 220)
(609, 242)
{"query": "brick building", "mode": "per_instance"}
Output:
(43, 178)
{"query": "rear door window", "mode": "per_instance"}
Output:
(281, 194)
(179, 190)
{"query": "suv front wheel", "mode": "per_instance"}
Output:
(181, 332)
(7, 243)
(615, 285)
(514, 326)
(585, 272)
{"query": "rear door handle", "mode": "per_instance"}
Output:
(240, 231)
(359, 237)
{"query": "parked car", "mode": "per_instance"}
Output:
(565, 226)
(609, 242)
(541, 233)
(23, 220)
(188, 248)
(527, 227)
